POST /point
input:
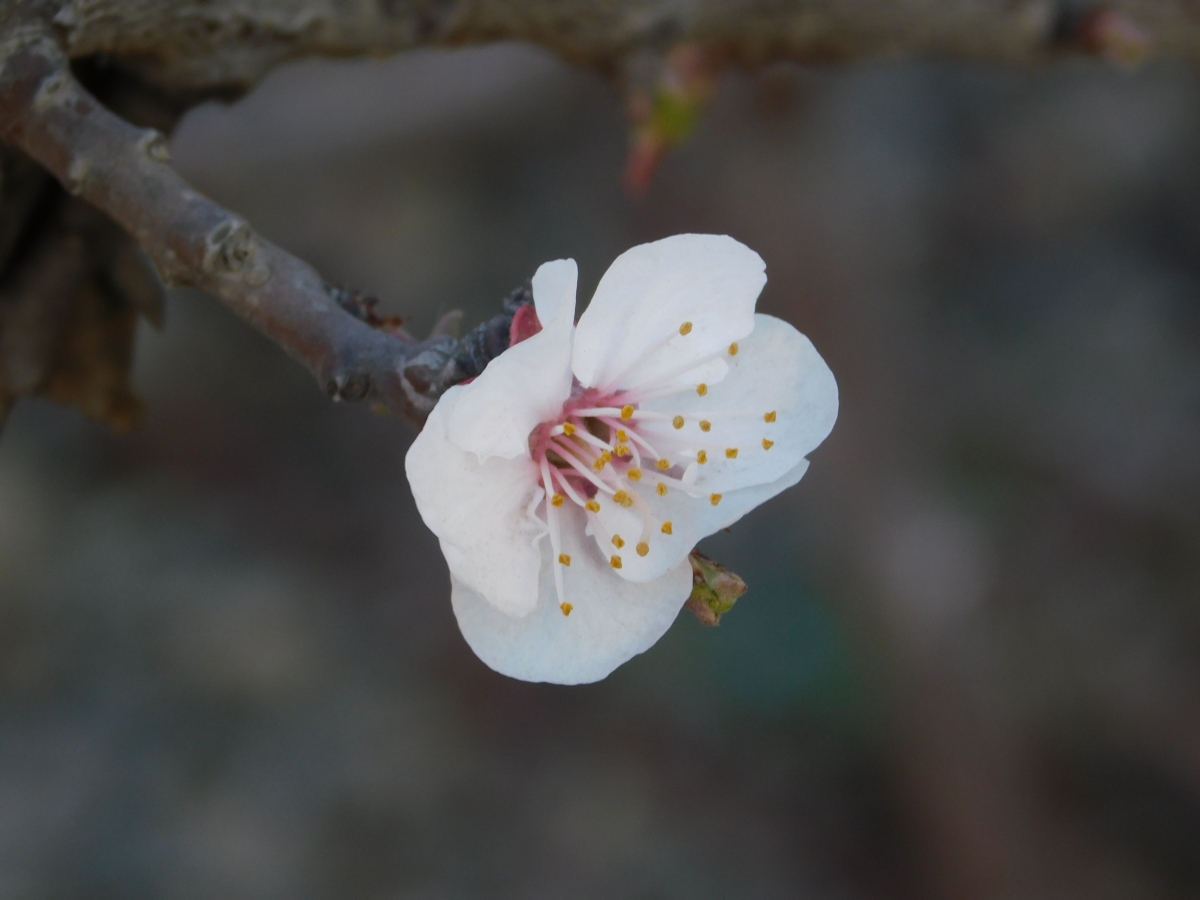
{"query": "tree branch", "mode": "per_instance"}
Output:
(123, 171)
(196, 44)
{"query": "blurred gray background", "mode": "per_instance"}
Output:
(967, 665)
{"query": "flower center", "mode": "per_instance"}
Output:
(605, 448)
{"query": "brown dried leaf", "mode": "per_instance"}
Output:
(92, 368)
(72, 285)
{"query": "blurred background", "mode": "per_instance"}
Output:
(969, 661)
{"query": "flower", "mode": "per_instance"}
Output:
(569, 481)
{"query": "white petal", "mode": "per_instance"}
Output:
(630, 334)
(526, 384)
(554, 286)
(478, 510)
(777, 370)
(611, 620)
(692, 519)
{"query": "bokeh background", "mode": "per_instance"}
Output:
(967, 665)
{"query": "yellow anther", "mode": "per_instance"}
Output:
(566, 608)
(663, 464)
(564, 558)
(568, 429)
(592, 506)
(557, 500)
(702, 389)
(621, 450)
(715, 499)
(731, 453)
(685, 328)
(733, 348)
(615, 562)
(634, 474)
(702, 457)
(666, 529)
(622, 436)
(705, 425)
(623, 498)
(643, 548)
(599, 464)
(661, 490)
(767, 445)
(618, 541)
(677, 421)
(769, 417)
(626, 413)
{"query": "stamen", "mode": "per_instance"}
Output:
(644, 396)
(597, 411)
(568, 429)
(733, 349)
(623, 498)
(634, 474)
(615, 562)
(702, 389)
(705, 425)
(769, 417)
(637, 457)
(622, 436)
(592, 506)
(661, 490)
(663, 465)
(566, 608)
(580, 468)
(678, 484)
(731, 453)
(767, 445)
(633, 366)
(677, 422)
(589, 438)
(618, 542)
(685, 328)
(552, 526)
(626, 413)
(564, 558)
(557, 500)
(637, 438)
(531, 513)
(566, 486)
(643, 548)
(666, 528)
(702, 457)
(715, 499)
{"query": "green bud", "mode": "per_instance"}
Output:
(714, 589)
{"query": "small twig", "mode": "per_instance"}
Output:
(124, 172)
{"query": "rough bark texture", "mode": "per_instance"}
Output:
(199, 45)
(88, 88)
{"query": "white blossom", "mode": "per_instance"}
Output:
(568, 482)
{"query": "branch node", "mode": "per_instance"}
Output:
(51, 89)
(350, 388)
(423, 376)
(77, 174)
(228, 247)
(154, 144)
